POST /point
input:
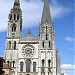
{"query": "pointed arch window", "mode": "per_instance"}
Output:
(43, 61)
(13, 27)
(9, 63)
(9, 44)
(49, 61)
(28, 65)
(34, 66)
(14, 44)
(21, 66)
(13, 63)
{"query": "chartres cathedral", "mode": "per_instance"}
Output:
(30, 55)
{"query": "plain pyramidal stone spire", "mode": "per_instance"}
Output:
(46, 16)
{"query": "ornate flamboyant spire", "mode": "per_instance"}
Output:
(15, 21)
(46, 16)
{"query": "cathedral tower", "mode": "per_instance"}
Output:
(13, 35)
(47, 49)
(15, 21)
(46, 32)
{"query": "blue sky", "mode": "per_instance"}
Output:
(62, 12)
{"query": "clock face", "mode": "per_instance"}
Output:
(28, 50)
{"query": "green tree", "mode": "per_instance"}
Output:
(1, 66)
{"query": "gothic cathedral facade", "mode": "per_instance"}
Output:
(30, 55)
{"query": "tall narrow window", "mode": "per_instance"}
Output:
(46, 27)
(49, 44)
(49, 61)
(34, 66)
(46, 37)
(46, 34)
(17, 17)
(28, 65)
(14, 17)
(21, 66)
(43, 44)
(43, 62)
(39, 35)
(20, 28)
(14, 44)
(41, 73)
(13, 63)
(48, 73)
(8, 63)
(9, 44)
(13, 27)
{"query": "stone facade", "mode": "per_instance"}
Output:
(31, 55)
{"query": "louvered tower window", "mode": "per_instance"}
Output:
(13, 63)
(49, 61)
(14, 17)
(14, 44)
(43, 61)
(13, 27)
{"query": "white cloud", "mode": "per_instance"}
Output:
(1, 55)
(65, 74)
(32, 12)
(69, 39)
(67, 67)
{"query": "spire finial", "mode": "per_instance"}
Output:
(16, 3)
(46, 16)
(16, 0)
